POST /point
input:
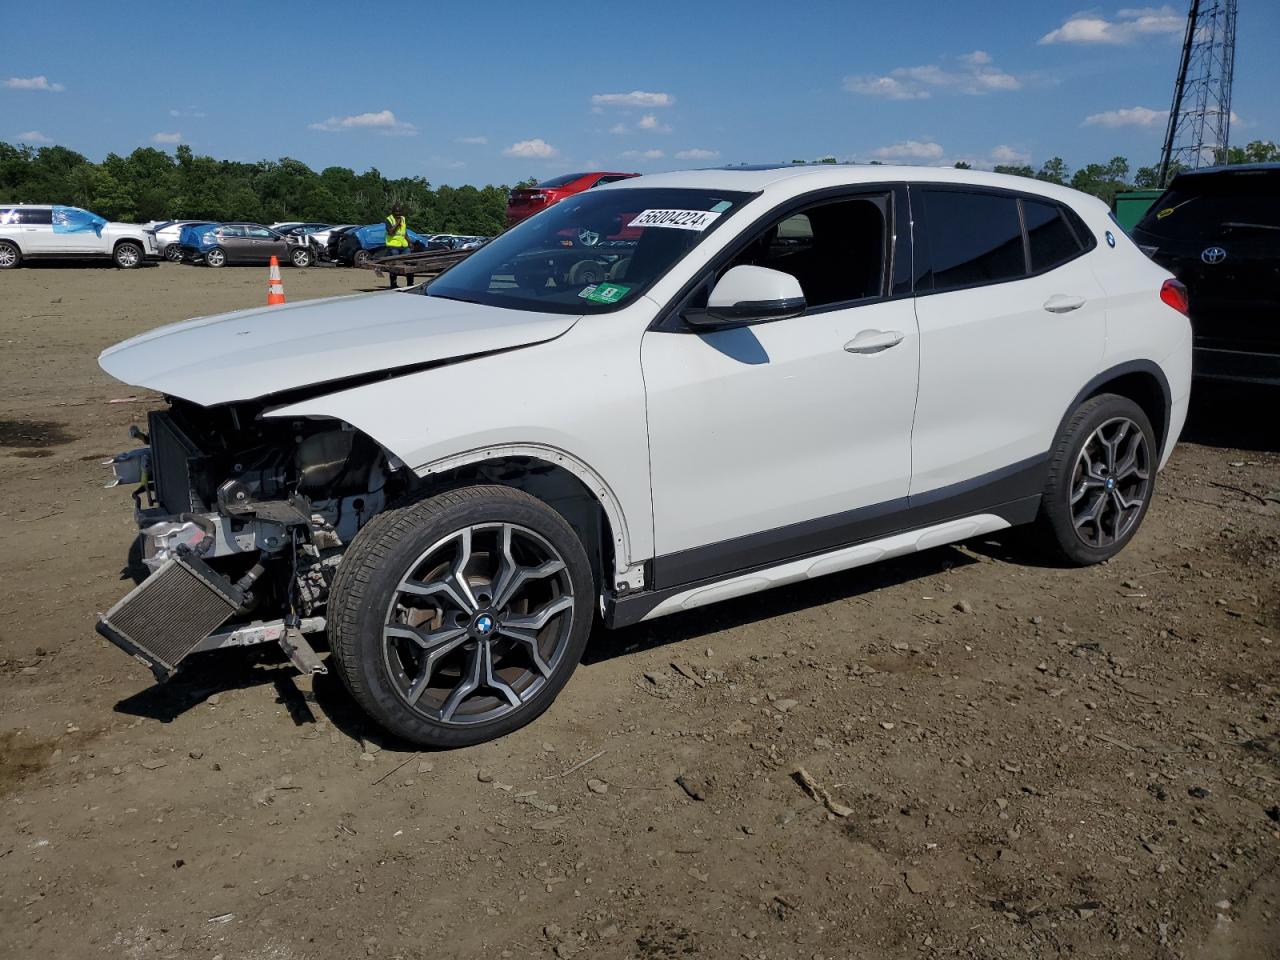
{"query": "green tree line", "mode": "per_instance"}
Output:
(1105, 180)
(150, 184)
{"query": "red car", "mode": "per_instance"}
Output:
(526, 201)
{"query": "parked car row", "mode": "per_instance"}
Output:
(48, 231)
(220, 244)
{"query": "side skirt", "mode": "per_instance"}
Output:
(623, 611)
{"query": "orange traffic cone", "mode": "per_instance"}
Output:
(275, 286)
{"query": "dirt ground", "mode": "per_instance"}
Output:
(1040, 762)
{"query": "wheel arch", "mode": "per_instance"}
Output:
(1141, 381)
(561, 481)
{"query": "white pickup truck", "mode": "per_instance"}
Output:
(50, 231)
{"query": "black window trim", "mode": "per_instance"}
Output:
(1087, 244)
(894, 279)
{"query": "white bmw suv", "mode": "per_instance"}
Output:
(663, 393)
(52, 231)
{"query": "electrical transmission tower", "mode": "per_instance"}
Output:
(1200, 120)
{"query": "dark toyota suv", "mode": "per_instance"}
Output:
(1218, 230)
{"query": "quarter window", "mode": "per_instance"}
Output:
(1050, 239)
(974, 238)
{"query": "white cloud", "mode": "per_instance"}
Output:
(381, 121)
(32, 136)
(643, 154)
(910, 150)
(1128, 26)
(887, 87)
(697, 153)
(636, 98)
(651, 123)
(535, 149)
(974, 76)
(166, 138)
(447, 163)
(621, 129)
(1127, 117)
(187, 112)
(473, 141)
(34, 83)
(1008, 156)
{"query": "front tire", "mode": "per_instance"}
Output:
(173, 252)
(458, 618)
(360, 258)
(217, 257)
(300, 257)
(128, 255)
(10, 255)
(1102, 475)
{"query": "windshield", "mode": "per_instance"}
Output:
(1201, 207)
(591, 253)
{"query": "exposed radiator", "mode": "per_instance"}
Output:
(171, 455)
(165, 617)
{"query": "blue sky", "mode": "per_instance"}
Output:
(485, 92)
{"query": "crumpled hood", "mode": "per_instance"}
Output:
(253, 353)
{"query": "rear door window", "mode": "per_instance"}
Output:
(36, 215)
(1050, 239)
(974, 238)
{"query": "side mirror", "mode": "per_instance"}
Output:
(749, 294)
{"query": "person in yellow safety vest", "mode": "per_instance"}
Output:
(397, 241)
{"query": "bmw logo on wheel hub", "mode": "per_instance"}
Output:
(483, 625)
(1213, 255)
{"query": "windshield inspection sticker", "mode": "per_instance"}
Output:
(605, 292)
(676, 219)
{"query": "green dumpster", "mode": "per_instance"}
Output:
(1131, 206)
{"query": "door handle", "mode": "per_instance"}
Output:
(1061, 303)
(873, 341)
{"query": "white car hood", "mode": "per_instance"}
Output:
(253, 353)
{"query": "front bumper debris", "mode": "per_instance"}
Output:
(171, 613)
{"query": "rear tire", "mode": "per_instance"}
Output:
(457, 618)
(217, 257)
(10, 255)
(1102, 475)
(128, 255)
(300, 257)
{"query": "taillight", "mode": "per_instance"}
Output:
(1175, 295)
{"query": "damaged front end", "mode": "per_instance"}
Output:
(242, 522)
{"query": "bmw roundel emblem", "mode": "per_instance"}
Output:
(484, 624)
(1213, 255)
(1111, 239)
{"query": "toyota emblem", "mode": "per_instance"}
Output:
(1213, 255)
